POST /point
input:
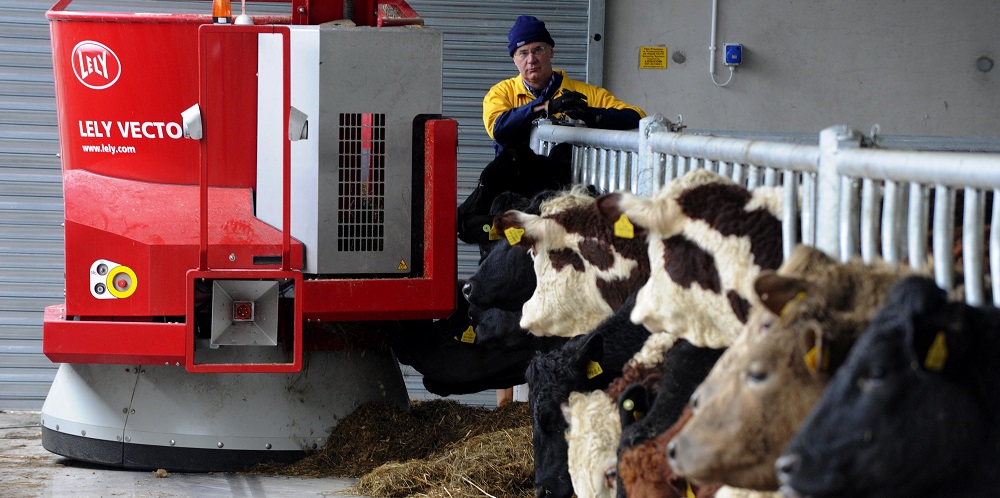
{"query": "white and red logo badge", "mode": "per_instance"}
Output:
(95, 65)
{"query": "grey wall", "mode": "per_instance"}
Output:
(910, 66)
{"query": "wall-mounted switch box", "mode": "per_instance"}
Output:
(734, 54)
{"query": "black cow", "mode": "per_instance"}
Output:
(505, 278)
(451, 365)
(912, 412)
(553, 376)
(517, 170)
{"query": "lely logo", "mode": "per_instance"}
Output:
(95, 65)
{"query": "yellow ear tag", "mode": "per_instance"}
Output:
(594, 369)
(624, 228)
(469, 335)
(810, 359)
(494, 235)
(937, 355)
(513, 235)
(690, 492)
(798, 297)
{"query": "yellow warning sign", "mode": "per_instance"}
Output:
(402, 265)
(652, 57)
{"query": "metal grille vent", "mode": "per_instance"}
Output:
(361, 183)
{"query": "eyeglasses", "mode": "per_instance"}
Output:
(523, 53)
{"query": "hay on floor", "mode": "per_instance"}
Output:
(497, 463)
(437, 448)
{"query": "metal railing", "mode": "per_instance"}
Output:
(843, 195)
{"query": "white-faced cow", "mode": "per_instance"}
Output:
(812, 310)
(583, 271)
(708, 240)
(913, 411)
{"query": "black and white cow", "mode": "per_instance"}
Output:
(583, 271)
(708, 240)
(586, 363)
(912, 412)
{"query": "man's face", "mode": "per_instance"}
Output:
(534, 62)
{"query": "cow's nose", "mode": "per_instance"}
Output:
(467, 290)
(787, 465)
(542, 492)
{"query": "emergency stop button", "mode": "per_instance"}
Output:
(110, 280)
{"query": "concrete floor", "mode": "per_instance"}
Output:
(28, 470)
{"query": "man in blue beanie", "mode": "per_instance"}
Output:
(539, 91)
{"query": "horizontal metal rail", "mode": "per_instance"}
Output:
(928, 209)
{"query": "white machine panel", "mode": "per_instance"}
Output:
(352, 178)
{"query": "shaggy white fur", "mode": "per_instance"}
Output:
(594, 430)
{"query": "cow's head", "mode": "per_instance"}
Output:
(592, 437)
(811, 312)
(901, 417)
(708, 239)
(583, 271)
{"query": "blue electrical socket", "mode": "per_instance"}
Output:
(734, 54)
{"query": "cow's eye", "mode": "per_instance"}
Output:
(531, 252)
(756, 373)
(695, 399)
(871, 378)
(875, 372)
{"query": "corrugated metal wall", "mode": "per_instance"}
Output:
(31, 236)
(31, 264)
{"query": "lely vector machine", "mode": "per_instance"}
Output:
(233, 192)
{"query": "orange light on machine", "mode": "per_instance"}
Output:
(222, 12)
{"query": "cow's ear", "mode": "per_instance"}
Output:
(777, 292)
(817, 349)
(623, 226)
(933, 328)
(659, 215)
(590, 358)
(938, 342)
(526, 230)
(633, 404)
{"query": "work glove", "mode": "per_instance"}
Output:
(568, 102)
(589, 115)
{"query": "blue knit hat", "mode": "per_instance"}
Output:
(527, 29)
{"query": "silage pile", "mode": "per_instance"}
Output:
(436, 449)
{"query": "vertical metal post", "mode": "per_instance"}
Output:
(645, 181)
(828, 185)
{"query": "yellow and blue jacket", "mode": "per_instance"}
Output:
(507, 112)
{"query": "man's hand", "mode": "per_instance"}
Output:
(569, 103)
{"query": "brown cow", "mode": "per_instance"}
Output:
(760, 391)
